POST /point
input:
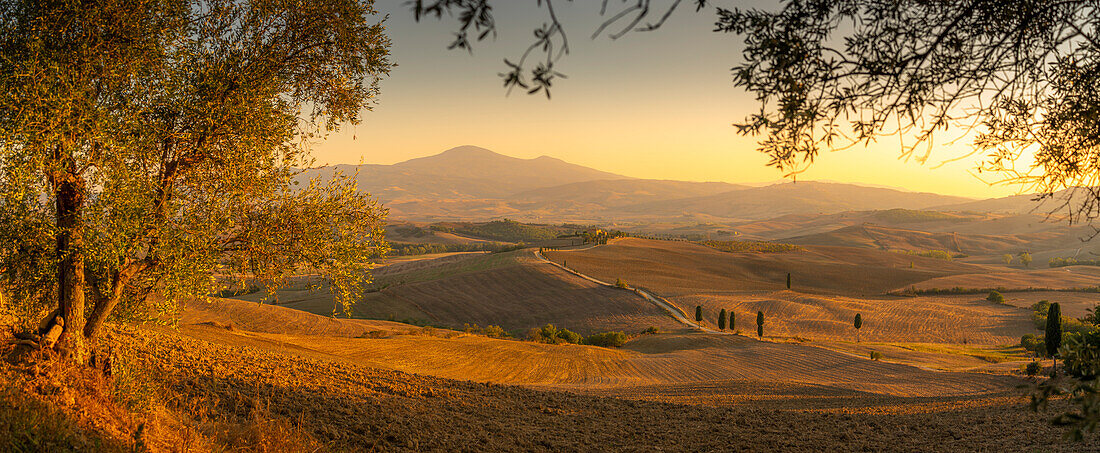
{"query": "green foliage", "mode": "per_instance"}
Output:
(569, 336)
(156, 147)
(1039, 317)
(1080, 354)
(405, 249)
(619, 283)
(1025, 259)
(722, 319)
(751, 246)
(875, 355)
(504, 230)
(552, 335)
(937, 254)
(1033, 369)
(651, 330)
(606, 339)
(1071, 261)
(698, 313)
(491, 331)
(1053, 336)
(1033, 343)
(995, 297)
(858, 323)
(1093, 316)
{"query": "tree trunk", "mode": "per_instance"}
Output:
(70, 269)
(106, 304)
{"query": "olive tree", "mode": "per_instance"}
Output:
(147, 147)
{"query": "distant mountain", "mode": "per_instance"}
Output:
(621, 192)
(807, 197)
(462, 173)
(473, 183)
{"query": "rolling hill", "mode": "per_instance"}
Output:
(469, 183)
(792, 198)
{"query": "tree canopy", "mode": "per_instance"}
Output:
(148, 146)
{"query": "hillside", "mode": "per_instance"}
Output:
(613, 193)
(898, 239)
(672, 268)
(511, 290)
(224, 393)
(793, 198)
(469, 183)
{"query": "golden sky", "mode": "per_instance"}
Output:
(650, 105)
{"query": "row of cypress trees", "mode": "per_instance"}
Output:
(731, 316)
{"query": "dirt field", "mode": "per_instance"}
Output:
(1057, 278)
(351, 407)
(964, 319)
(674, 268)
(511, 290)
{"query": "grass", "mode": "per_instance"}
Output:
(751, 246)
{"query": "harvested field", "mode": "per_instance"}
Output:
(927, 319)
(674, 358)
(1058, 278)
(511, 290)
(350, 407)
(675, 268)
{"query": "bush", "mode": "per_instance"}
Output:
(570, 337)
(1033, 343)
(651, 330)
(1033, 369)
(995, 297)
(619, 283)
(875, 355)
(606, 339)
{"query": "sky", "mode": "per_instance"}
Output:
(657, 105)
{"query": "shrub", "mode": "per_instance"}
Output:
(875, 355)
(606, 339)
(1033, 343)
(619, 283)
(722, 319)
(493, 331)
(651, 330)
(1033, 369)
(995, 297)
(570, 337)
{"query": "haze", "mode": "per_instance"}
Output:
(650, 105)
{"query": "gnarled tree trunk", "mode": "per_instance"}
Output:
(70, 270)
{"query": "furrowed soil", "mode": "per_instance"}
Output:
(512, 290)
(207, 390)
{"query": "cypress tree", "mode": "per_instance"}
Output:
(698, 313)
(1054, 332)
(760, 324)
(788, 280)
(858, 323)
(733, 322)
(722, 319)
